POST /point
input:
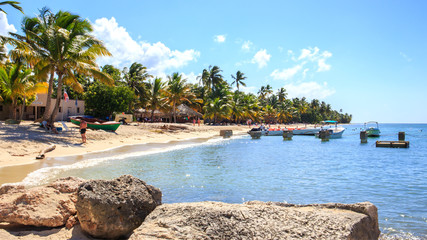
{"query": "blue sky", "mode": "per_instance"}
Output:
(365, 57)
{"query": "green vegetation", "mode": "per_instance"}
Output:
(57, 51)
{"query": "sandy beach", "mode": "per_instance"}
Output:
(22, 143)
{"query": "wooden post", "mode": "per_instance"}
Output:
(287, 134)
(363, 137)
(226, 133)
(401, 136)
(324, 135)
(256, 134)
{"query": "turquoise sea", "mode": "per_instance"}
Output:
(303, 170)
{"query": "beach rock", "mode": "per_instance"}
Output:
(259, 220)
(114, 208)
(68, 184)
(47, 206)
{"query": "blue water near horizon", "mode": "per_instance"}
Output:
(301, 171)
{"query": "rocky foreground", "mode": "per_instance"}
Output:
(128, 207)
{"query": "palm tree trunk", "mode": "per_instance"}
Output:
(23, 108)
(58, 101)
(49, 97)
(152, 115)
(174, 112)
(13, 115)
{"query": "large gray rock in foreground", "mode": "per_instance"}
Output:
(114, 208)
(259, 220)
(45, 206)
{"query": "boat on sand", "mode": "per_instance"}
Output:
(96, 124)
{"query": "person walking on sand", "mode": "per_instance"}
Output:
(83, 126)
(198, 121)
(194, 122)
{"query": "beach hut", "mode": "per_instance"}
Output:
(144, 115)
(185, 114)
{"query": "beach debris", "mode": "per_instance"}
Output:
(46, 150)
(174, 127)
(47, 206)
(114, 208)
(260, 220)
(226, 133)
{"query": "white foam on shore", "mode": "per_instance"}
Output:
(48, 174)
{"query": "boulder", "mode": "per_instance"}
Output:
(114, 208)
(44, 206)
(259, 220)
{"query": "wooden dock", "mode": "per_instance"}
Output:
(392, 144)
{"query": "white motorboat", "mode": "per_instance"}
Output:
(334, 131)
(305, 131)
(268, 132)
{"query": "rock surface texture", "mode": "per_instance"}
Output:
(114, 208)
(259, 220)
(47, 206)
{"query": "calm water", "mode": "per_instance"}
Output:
(301, 171)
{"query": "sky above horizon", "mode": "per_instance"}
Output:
(367, 58)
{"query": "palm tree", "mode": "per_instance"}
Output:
(211, 78)
(59, 44)
(282, 94)
(238, 79)
(135, 78)
(178, 91)
(18, 83)
(13, 4)
(217, 108)
(155, 96)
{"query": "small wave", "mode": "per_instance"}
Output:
(48, 174)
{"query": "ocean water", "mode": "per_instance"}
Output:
(302, 171)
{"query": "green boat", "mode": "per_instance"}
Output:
(372, 131)
(96, 124)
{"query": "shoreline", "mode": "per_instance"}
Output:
(18, 161)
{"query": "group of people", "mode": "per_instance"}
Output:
(198, 122)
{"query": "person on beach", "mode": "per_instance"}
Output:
(194, 122)
(198, 122)
(83, 126)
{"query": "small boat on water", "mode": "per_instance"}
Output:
(305, 131)
(334, 131)
(95, 123)
(268, 132)
(372, 131)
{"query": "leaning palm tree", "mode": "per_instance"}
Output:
(156, 100)
(59, 45)
(177, 92)
(13, 4)
(238, 80)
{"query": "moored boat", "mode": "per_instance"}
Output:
(97, 124)
(372, 131)
(268, 132)
(305, 131)
(334, 132)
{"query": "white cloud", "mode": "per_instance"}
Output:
(287, 73)
(246, 46)
(261, 58)
(157, 57)
(323, 66)
(309, 90)
(220, 38)
(5, 27)
(247, 89)
(191, 77)
(314, 55)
